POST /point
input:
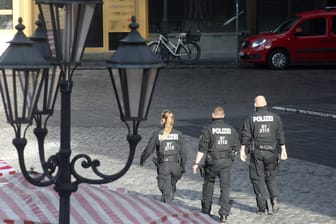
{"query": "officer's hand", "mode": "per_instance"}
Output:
(243, 156)
(194, 168)
(283, 155)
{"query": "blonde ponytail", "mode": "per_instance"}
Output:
(168, 123)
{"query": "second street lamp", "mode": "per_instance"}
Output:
(46, 103)
(52, 76)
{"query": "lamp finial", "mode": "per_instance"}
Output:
(20, 27)
(133, 25)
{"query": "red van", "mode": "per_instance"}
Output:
(308, 36)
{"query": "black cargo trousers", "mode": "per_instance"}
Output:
(263, 170)
(221, 168)
(168, 175)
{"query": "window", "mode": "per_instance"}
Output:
(313, 27)
(334, 25)
(191, 15)
(286, 25)
(6, 15)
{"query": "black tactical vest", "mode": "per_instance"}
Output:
(170, 145)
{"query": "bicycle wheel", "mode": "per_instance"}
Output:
(189, 53)
(156, 48)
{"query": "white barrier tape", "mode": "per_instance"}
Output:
(308, 112)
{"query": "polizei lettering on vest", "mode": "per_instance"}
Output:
(169, 137)
(263, 118)
(223, 131)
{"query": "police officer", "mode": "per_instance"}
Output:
(219, 142)
(263, 130)
(171, 157)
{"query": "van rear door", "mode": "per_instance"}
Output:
(330, 53)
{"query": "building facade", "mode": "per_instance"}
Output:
(109, 24)
(215, 19)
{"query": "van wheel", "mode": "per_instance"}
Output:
(278, 59)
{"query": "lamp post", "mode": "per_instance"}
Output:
(237, 31)
(165, 30)
(133, 69)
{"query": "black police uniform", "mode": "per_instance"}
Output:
(263, 130)
(170, 161)
(219, 141)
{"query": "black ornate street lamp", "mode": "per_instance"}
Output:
(133, 64)
(22, 71)
(45, 106)
(133, 69)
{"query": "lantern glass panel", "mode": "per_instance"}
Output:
(53, 17)
(20, 90)
(5, 95)
(82, 20)
(67, 26)
(150, 76)
(134, 83)
(49, 90)
(115, 77)
(134, 89)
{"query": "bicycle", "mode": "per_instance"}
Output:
(185, 49)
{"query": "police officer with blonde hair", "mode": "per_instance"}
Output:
(218, 142)
(263, 131)
(171, 156)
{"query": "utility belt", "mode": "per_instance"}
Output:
(216, 155)
(265, 148)
(169, 158)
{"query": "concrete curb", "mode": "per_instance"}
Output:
(100, 65)
(304, 111)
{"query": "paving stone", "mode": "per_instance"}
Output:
(307, 189)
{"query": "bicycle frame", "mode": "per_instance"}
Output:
(172, 48)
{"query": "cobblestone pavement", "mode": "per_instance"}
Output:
(307, 190)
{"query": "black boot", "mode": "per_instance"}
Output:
(223, 218)
(206, 210)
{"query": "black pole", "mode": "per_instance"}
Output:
(165, 18)
(165, 56)
(63, 184)
(237, 31)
